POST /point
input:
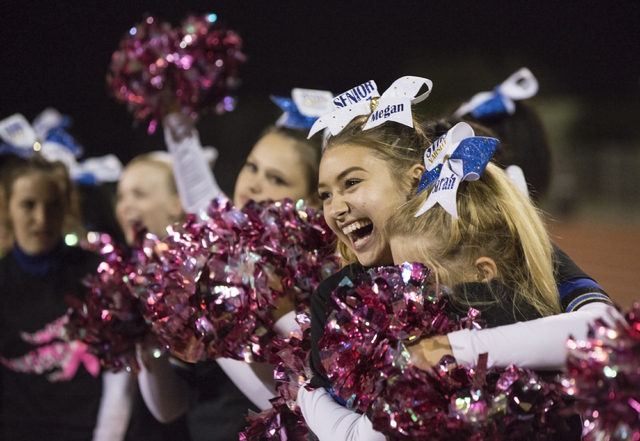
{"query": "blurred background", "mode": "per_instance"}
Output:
(585, 54)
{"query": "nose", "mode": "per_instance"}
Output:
(39, 216)
(255, 184)
(339, 207)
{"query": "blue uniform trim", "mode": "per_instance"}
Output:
(587, 298)
(335, 397)
(570, 286)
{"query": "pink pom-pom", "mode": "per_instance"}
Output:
(110, 320)
(159, 69)
(603, 375)
(208, 289)
(363, 354)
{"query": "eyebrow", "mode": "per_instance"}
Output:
(343, 174)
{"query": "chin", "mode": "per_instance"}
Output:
(375, 259)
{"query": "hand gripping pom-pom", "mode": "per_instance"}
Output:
(363, 353)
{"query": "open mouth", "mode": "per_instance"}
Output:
(359, 232)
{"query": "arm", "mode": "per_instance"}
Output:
(536, 344)
(164, 392)
(196, 184)
(330, 421)
(255, 380)
(115, 406)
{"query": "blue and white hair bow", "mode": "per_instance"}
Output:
(49, 137)
(394, 105)
(519, 86)
(303, 108)
(456, 156)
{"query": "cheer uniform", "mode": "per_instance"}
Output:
(47, 389)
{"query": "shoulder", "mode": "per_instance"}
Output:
(575, 287)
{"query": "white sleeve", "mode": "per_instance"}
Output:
(330, 421)
(115, 406)
(255, 380)
(287, 325)
(195, 181)
(536, 344)
(246, 376)
(164, 392)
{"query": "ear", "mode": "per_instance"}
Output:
(487, 269)
(416, 172)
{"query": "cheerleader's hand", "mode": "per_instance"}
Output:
(180, 126)
(427, 353)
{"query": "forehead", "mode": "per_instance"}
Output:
(277, 152)
(144, 174)
(36, 185)
(342, 157)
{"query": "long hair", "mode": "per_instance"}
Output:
(399, 146)
(494, 220)
(57, 173)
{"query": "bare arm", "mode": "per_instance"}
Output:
(164, 392)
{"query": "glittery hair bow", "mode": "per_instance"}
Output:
(519, 86)
(48, 136)
(456, 156)
(303, 108)
(394, 105)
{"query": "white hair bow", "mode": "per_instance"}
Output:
(456, 156)
(519, 86)
(49, 137)
(394, 105)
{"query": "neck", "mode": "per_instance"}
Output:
(39, 264)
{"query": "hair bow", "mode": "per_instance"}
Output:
(303, 108)
(48, 136)
(519, 86)
(394, 105)
(456, 156)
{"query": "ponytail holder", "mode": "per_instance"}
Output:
(394, 105)
(456, 156)
(303, 108)
(519, 86)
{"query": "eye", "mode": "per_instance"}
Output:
(324, 195)
(276, 180)
(251, 167)
(139, 194)
(351, 182)
(27, 205)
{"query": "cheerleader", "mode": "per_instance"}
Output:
(372, 164)
(52, 388)
(282, 164)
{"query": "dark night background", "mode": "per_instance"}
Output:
(585, 54)
(56, 53)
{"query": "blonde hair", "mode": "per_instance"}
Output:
(399, 146)
(159, 162)
(494, 220)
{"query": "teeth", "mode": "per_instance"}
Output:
(356, 226)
